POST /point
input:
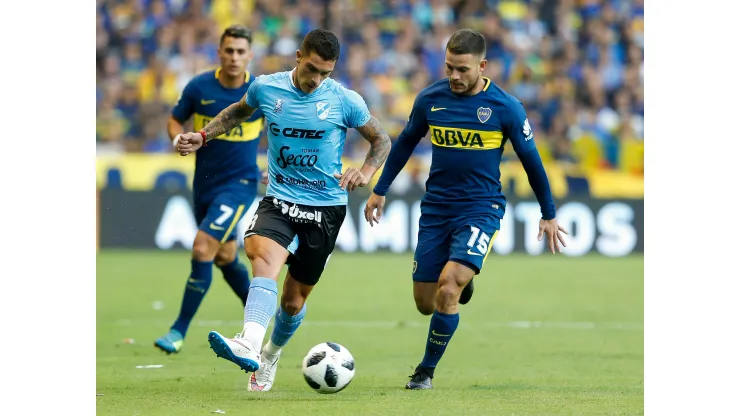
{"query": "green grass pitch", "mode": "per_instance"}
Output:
(546, 335)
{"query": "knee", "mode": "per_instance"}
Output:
(224, 258)
(293, 305)
(292, 302)
(266, 256)
(449, 291)
(260, 254)
(202, 250)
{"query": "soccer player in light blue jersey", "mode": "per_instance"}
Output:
(470, 120)
(307, 116)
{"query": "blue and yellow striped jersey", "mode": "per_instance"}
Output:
(468, 134)
(231, 157)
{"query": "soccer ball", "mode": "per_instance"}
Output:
(328, 367)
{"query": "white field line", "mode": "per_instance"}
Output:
(604, 326)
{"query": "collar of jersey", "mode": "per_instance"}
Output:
(246, 74)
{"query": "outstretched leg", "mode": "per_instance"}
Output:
(287, 320)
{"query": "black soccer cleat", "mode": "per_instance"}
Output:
(467, 293)
(421, 379)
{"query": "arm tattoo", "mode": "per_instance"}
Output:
(229, 118)
(380, 143)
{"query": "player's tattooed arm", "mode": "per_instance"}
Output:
(380, 145)
(229, 118)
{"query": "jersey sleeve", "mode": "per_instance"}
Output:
(355, 112)
(185, 106)
(254, 92)
(518, 130)
(416, 128)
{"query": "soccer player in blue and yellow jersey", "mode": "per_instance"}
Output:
(470, 120)
(225, 179)
(307, 115)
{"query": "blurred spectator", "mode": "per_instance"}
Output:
(577, 65)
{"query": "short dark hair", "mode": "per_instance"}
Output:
(237, 31)
(466, 41)
(323, 42)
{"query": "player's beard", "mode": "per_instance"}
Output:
(469, 88)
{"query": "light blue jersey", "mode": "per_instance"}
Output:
(306, 134)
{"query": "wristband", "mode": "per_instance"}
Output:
(175, 140)
(203, 135)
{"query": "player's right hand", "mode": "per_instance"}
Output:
(189, 143)
(374, 203)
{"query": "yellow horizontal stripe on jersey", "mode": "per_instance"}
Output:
(249, 130)
(465, 139)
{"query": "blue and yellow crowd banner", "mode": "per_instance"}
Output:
(146, 172)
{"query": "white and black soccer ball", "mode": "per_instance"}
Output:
(328, 367)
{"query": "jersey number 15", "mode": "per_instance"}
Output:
(482, 241)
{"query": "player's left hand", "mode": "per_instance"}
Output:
(553, 230)
(351, 179)
(374, 208)
(265, 178)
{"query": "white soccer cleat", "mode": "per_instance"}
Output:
(237, 350)
(262, 379)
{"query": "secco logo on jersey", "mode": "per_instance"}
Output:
(295, 133)
(307, 158)
(465, 139)
(299, 182)
(296, 213)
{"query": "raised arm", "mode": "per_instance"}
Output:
(228, 118)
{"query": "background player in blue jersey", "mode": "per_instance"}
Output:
(225, 180)
(307, 115)
(470, 120)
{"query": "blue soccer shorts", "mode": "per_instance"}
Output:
(464, 239)
(218, 213)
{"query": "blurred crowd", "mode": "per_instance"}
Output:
(577, 65)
